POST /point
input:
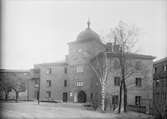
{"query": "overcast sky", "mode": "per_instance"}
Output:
(37, 31)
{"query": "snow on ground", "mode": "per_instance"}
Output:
(31, 110)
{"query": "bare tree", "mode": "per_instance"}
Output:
(125, 37)
(9, 82)
(5, 85)
(101, 68)
(18, 85)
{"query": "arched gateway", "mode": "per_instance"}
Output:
(82, 97)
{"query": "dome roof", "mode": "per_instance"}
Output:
(88, 35)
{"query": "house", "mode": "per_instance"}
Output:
(160, 87)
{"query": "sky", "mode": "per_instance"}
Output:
(38, 31)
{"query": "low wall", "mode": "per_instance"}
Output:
(137, 108)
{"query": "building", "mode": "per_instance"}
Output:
(54, 82)
(71, 80)
(138, 79)
(74, 80)
(33, 85)
(14, 75)
(160, 87)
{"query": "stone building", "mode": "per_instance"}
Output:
(75, 81)
(160, 87)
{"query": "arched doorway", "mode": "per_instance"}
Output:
(81, 97)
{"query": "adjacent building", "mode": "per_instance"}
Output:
(160, 87)
(138, 79)
(14, 75)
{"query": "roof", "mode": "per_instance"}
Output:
(132, 55)
(14, 70)
(53, 64)
(161, 60)
(88, 35)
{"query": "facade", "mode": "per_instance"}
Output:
(160, 87)
(54, 82)
(138, 80)
(14, 75)
(75, 81)
(33, 84)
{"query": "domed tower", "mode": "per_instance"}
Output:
(87, 45)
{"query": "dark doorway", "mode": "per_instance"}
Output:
(65, 97)
(81, 97)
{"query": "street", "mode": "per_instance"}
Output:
(31, 110)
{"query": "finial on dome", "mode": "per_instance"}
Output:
(88, 23)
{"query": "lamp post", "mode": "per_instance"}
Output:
(38, 96)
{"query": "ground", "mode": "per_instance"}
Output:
(33, 110)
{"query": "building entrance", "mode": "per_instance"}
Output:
(65, 97)
(82, 97)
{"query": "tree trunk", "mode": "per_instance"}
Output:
(125, 96)
(102, 96)
(157, 109)
(6, 95)
(17, 96)
(123, 81)
(120, 98)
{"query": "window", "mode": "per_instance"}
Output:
(165, 67)
(116, 64)
(115, 99)
(71, 94)
(155, 69)
(25, 74)
(48, 83)
(117, 81)
(157, 83)
(65, 83)
(79, 68)
(79, 83)
(65, 70)
(36, 81)
(36, 71)
(138, 65)
(91, 96)
(49, 71)
(138, 82)
(48, 94)
(35, 94)
(137, 100)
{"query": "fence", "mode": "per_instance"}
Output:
(137, 108)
